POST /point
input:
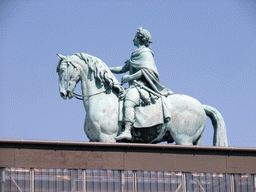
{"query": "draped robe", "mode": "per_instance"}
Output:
(142, 59)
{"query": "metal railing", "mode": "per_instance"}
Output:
(77, 180)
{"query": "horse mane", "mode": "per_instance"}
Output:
(101, 71)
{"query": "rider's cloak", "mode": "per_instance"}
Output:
(143, 59)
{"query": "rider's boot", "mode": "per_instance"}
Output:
(129, 120)
(126, 134)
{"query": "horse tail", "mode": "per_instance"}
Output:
(220, 134)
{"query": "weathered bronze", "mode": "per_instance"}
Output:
(152, 113)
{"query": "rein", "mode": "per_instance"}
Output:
(77, 96)
(81, 97)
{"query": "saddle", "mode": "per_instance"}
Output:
(148, 115)
(149, 122)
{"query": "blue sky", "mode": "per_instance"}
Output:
(203, 48)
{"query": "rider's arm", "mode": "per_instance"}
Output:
(120, 69)
(135, 76)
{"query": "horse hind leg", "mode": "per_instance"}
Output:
(186, 140)
(198, 141)
(181, 139)
(199, 134)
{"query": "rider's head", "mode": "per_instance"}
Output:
(144, 36)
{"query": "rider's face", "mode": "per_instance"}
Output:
(136, 41)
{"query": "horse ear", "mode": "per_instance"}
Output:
(61, 56)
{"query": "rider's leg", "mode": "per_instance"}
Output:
(129, 113)
(129, 120)
(131, 100)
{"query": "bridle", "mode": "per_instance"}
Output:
(77, 96)
(81, 97)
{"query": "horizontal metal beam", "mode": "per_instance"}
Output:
(126, 156)
(125, 145)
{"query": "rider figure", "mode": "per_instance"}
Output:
(142, 68)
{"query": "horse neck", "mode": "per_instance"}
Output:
(90, 89)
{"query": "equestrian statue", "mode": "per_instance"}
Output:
(146, 112)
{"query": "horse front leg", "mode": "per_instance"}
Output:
(107, 138)
(91, 132)
(96, 133)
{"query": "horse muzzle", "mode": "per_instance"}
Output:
(63, 94)
(66, 94)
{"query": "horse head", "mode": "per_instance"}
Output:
(95, 75)
(69, 76)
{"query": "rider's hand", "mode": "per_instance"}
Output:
(125, 79)
(127, 62)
